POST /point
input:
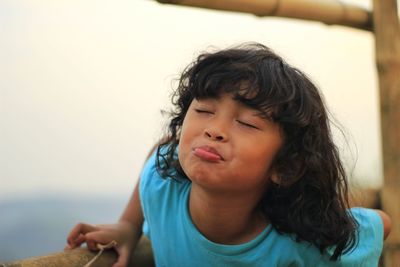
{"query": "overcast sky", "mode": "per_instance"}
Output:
(83, 82)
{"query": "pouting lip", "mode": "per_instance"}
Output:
(209, 149)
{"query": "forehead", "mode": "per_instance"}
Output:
(214, 87)
(250, 91)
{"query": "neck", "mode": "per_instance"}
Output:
(226, 219)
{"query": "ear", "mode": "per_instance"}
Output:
(274, 177)
(277, 180)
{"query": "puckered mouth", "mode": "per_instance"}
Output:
(208, 153)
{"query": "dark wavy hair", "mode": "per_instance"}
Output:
(311, 198)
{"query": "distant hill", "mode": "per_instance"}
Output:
(39, 226)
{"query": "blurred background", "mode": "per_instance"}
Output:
(83, 84)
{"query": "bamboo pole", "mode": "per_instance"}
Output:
(142, 257)
(327, 11)
(387, 39)
(74, 258)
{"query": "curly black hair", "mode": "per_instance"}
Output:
(310, 200)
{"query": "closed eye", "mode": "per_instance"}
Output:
(203, 111)
(248, 125)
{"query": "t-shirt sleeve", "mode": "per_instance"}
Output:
(144, 185)
(369, 239)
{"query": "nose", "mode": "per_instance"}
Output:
(216, 132)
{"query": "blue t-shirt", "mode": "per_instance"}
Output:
(177, 242)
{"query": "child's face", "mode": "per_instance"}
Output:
(227, 147)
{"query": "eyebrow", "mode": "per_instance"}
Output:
(265, 115)
(199, 99)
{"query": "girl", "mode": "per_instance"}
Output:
(248, 175)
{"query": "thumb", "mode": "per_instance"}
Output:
(123, 258)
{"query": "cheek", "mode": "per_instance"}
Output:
(189, 132)
(261, 158)
(184, 139)
(185, 130)
(184, 146)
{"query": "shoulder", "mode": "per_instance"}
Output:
(371, 220)
(387, 223)
(369, 239)
(149, 169)
(152, 185)
(159, 198)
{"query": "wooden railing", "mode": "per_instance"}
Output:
(142, 257)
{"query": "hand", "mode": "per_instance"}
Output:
(122, 233)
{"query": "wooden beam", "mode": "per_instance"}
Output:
(387, 39)
(79, 257)
(74, 258)
(330, 12)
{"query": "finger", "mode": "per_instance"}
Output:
(76, 243)
(120, 263)
(122, 258)
(98, 237)
(80, 228)
(92, 245)
(101, 237)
